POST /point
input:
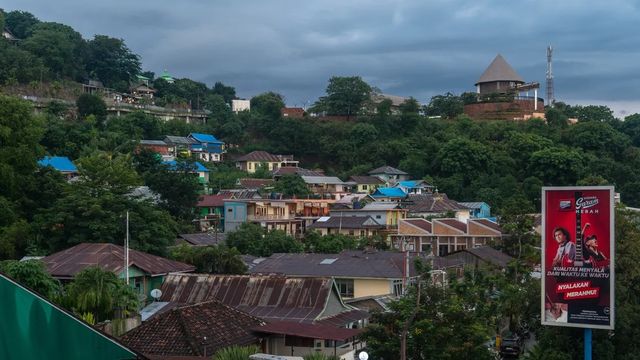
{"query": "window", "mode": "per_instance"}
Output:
(345, 286)
(331, 343)
(351, 232)
(378, 216)
(397, 287)
(230, 210)
(426, 248)
(443, 250)
(362, 233)
(365, 187)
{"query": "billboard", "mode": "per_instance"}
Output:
(578, 257)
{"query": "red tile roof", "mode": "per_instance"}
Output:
(182, 331)
(211, 201)
(67, 263)
(312, 331)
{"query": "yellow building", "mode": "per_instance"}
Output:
(253, 160)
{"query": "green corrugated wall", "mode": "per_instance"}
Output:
(32, 328)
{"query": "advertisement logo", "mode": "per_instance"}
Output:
(565, 205)
(586, 202)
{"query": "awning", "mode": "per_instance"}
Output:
(312, 331)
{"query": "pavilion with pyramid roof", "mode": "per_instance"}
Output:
(504, 95)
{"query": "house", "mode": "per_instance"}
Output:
(8, 35)
(33, 327)
(415, 187)
(61, 163)
(180, 145)
(396, 101)
(360, 226)
(194, 331)
(238, 105)
(167, 77)
(210, 210)
(142, 92)
(440, 237)
(479, 209)
(434, 204)
(240, 194)
(207, 147)
(293, 112)
(270, 214)
(253, 160)
(351, 201)
(504, 95)
(389, 175)
(389, 194)
(357, 273)
(195, 168)
(365, 184)
(387, 214)
(158, 146)
(145, 271)
(310, 210)
(202, 239)
(326, 186)
(303, 314)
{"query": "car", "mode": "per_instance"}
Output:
(511, 345)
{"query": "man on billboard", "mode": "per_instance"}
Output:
(566, 249)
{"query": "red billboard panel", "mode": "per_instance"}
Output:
(578, 257)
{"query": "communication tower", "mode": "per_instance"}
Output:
(550, 98)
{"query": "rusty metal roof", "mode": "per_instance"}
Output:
(67, 263)
(419, 223)
(182, 331)
(431, 203)
(270, 298)
(459, 225)
(211, 201)
(488, 223)
(203, 239)
(264, 156)
(249, 183)
(312, 331)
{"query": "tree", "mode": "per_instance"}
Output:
(556, 166)
(345, 96)
(291, 185)
(598, 113)
(268, 104)
(448, 106)
(33, 274)
(228, 93)
(18, 65)
(89, 104)
(101, 293)
(217, 259)
(465, 157)
(111, 61)
(20, 23)
(251, 239)
(236, 352)
(59, 46)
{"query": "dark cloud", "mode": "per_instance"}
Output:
(409, 48)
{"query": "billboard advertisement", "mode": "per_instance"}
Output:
(578, 256)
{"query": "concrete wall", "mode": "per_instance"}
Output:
(371, 287)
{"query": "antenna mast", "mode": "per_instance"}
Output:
(550, 98)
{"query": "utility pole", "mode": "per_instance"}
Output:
(126, 253)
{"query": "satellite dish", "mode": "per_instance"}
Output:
(156, 293)
(363, 355)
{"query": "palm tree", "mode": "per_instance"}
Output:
(101, 293)
(236, 353)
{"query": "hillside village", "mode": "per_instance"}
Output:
(217, 224)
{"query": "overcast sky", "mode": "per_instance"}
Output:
(408, 48)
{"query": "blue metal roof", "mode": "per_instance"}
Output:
(389, 192)
(60, 163)
(199, 167)
(205, 138)
(409, 183)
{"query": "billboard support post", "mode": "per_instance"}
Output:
(587, 344)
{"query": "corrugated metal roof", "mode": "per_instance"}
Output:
(153, 142)
(172, 164)
(249, 183)
(454, 224)
(420, 223)
(261, 156)
(312, 331)
(388, 170)
(182, 331)
(178, 140)
(389, 192)
(204, 239)
(110, 257)
(268, 297)
(473, 205)
(210, 201)
(380, 206)
(205, 138)
(349, 264)
(488, 223)
(331, 180)
(239, 194)
(346, 222)
(60, 163)
(287, 170)
(431, 203)
(366, 180)
(499, 70)
(490, 255)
